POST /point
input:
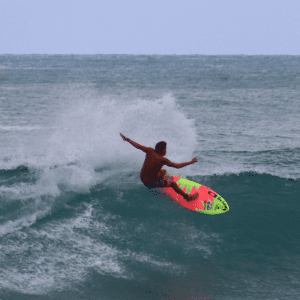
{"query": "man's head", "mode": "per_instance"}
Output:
(161, 148)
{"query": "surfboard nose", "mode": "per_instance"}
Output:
(220, 205)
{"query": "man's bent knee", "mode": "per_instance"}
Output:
(162, 173)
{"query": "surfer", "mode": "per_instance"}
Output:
(152, 174)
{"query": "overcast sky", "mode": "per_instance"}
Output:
(150, 26)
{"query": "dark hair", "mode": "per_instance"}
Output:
(159, 147)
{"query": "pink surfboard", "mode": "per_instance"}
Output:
(208, 201)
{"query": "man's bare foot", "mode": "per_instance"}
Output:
(192, 197)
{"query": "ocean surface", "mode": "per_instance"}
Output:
(76, 222)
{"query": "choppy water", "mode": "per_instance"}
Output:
(77, 223)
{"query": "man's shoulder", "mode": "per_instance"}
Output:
(165, 160)
(149, 149)
(152, 151)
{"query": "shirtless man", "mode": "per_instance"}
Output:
(152, 175)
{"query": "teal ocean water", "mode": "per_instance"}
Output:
(76, 222)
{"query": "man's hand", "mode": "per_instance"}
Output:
(124, 137)
(194, 160)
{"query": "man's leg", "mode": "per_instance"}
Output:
(177, 189)
(187, 197)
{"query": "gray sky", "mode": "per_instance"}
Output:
(150, 26)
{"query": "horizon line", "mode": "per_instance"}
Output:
(242, 54)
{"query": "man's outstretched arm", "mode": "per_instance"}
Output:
(178, 166)
(136, 145)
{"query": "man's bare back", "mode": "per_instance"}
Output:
(152, 166)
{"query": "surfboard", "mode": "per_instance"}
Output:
(208, 201)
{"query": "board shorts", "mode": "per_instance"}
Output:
(154, 184)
